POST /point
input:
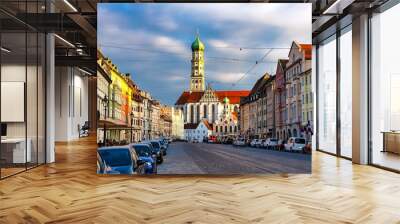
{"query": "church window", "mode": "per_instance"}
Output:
(205, 111)
(230, 129)
(198, 112)
(226, 129)
(213, 112)
(191, 113)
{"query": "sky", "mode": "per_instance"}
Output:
(151, 41)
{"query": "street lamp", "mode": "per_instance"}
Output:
(131, 124)
(104, 101)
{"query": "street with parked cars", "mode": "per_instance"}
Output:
(234, 156)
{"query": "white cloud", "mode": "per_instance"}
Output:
(176, 78)
(225, 77)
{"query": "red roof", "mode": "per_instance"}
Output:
(208, 125)
(194, 97)
(307, 48)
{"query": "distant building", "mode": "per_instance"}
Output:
(198, 131)
(177, 123)
(280, 99)
(297, 69)
(166, 121)
(227, 125)
(147, 115)
(253, 110)
(137, 111)
(155, 119)
(269, 92)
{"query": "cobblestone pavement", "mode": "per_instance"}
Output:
(203, 158)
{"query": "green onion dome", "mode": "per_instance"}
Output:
(226, 100)
(197, 45)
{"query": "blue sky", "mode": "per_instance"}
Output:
(152, 41)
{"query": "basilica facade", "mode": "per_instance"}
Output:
(200, 103)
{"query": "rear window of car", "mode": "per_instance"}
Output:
(155, 145)
(142, 150)
(300, 140)
(116, 157)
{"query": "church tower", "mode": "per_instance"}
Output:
(197, 82)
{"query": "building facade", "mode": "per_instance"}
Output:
(269, 90)
(155, 119)
(177, 123)
(227, 125)
(166, 121)
(280, 99)
(295, 73)
(253, 115)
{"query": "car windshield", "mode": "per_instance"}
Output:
(300, 140)
(142, 150)
(116, 157)
(155, 145)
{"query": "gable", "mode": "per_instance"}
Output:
(209, 96)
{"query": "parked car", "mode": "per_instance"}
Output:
(121, 159)
(228, 140)
(144, 152)
(156, 150)
(271, 143)
(163, 146)
(260, 143)
(281, 145)
(295, 144)
(212, 139)
(164, 141)
(254, 142)
(240, 142)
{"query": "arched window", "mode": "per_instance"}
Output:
(191, 113)
(213, 113)
(230, 129)
(205, 110)
(185, 114)
(198, 112)
(226, 129)
(235, 128)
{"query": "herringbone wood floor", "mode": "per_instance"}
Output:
(69, 191)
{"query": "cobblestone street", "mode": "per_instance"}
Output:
(202, 158)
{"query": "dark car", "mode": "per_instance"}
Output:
(156, 150)
(158, 144)
(121, 159)
(164, 146)
(145, 154)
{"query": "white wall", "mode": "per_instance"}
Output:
(71, 103)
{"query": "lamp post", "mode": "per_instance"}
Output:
(104, 101)
(131, 125)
